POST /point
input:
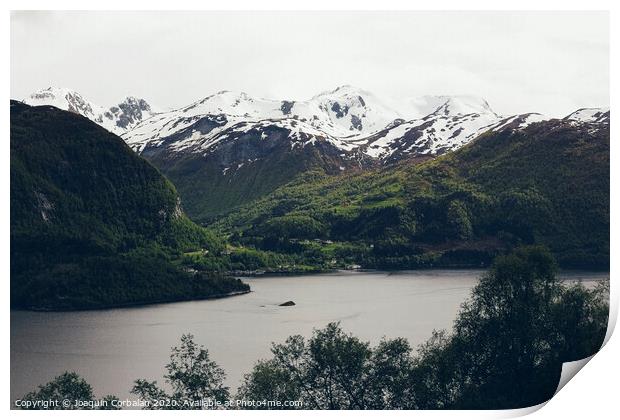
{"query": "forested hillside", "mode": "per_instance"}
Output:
(546, 184)
(92, 223)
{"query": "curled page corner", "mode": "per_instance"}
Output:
(613, 317)
(518, 412)
(569, 370)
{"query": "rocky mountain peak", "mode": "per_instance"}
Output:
(117, 118)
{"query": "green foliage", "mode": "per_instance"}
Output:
(526, 213)
(458, 220)
(186, 236)
(66, 392)
(251, 260)
(293, 226)
(505, 334)
(581, 317)
(193, 378)
(332, 370)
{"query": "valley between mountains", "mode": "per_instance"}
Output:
(230, 184)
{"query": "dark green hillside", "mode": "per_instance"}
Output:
(547, 184)
(93, 224)
(552, 183)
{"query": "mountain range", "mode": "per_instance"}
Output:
(229, 148)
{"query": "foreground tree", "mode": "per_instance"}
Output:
(66, 392)
(195, 380)
(581, 317)
(332, 370)
(505, 337)
(511, 338)
(506, 350)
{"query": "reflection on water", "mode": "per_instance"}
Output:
(112, 348)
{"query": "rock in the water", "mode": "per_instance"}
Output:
(288, 303)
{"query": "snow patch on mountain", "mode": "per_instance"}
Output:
(589, 115)
(518, 122)
(454, 122)
(346, 111)
(117, 119)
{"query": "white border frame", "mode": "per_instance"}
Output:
(592, 394)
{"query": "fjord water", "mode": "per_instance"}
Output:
(112, 348)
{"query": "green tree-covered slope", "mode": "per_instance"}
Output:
(93, 224)
(545, 184)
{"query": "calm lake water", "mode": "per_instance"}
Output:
(112, 348)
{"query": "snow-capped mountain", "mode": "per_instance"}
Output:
(346, 111)
(117, 119)
(419, 107)
(454, 122)
(342, 116)
(589, 115)
(353, 120)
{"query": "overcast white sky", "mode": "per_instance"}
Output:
(549, 62)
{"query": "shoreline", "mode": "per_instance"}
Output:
(271, 274)
(135, 304)
(256, 275)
